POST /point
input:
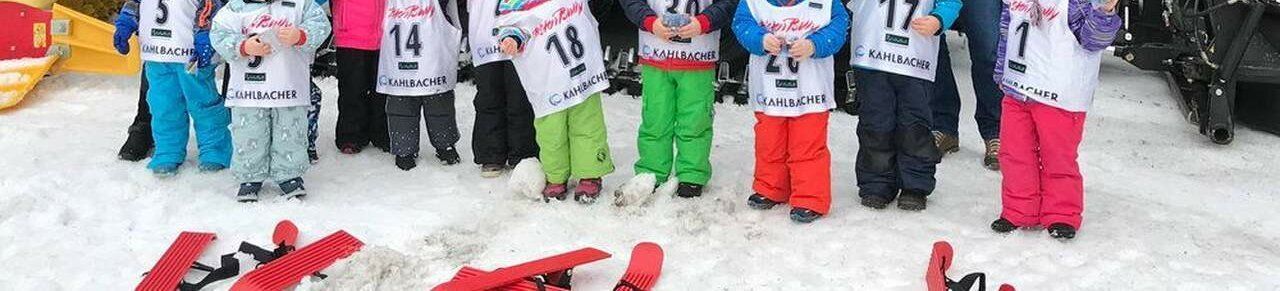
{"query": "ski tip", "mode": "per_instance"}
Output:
(648, 247)
(942, 246)
(286, 233)
(1006, 287)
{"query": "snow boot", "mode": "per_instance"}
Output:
(875, 201)
(946, 143)
(314, 156)
(212, 167)
(802, 215)
(1003, 225)
(448, 156)
(689, 190)
(912, 200)
(350, 148)
(136, 147)
(759, 202)
(407, 162)
(491, 170)
(587, 191)
(992, 159)
(555, 191)
(165, 171)
(249, 192)
(1062, 231)
(638, 190)
(293, 189)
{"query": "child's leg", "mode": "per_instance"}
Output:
(520, 129)
(209, 115)
(402, 124)
(809, 162)
(1060, 133)
(876, 167)
(772, 178)
(169, 120)
(376, 129)
(289, 143)
(588, 140)
(489, 134)
(695, 96)
(657, 123)
(441, 118)
(251, 132)
(553, 139)
(1020, 164)
(353, 97)
(917, 154)
(313, 117)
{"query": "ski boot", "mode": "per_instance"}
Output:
(1003, 225)
(491, 170)
(249, 192)
(802, 215)
(759, 202)
(689, 190)
(912, 200)
(946, 143)
(293, 189)
(407, 162)
(992, 159)
(136, 147)
(448, 156)
(587, 191)
(1062, 231)
(555, 191)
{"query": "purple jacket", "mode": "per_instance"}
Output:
(1094, 29)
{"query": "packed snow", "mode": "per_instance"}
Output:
(1166, 208)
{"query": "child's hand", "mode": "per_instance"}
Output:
(290, 35)
(772, 44)
(694, 28)
(802, 49)
(927, 25)
(1110, 7)
(255, 47)
(509, 46)
(662, 31)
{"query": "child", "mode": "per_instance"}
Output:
(1049, 64)
(792, 82)
(555, 45)
(417, 71)
(270, 46)
(679, 87)
(894, 59)
(362, 117)
(503, 134)
(179, 68)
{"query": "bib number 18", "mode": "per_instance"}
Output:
(576, 49)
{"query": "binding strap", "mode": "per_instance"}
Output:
(230, 268)
(625, 284)
(966, 283)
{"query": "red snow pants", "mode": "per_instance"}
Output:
(793, 164)
(1039, 145)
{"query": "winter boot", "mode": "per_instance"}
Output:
(587, 191)
(912, 200)
(1003, 225)
(293, 189)
(1062, 231)
(491, 170)
(689, 190)
(992, 158)
(350, 148)
(212, 167)
(136, 147)
(637, 190)
(555, 191)
(946, 143)
(875, 201)
(448, 156)
(802, 215)
(759, 202)
(314, 156)
(249, 192)
(407, 162)
(165, 171)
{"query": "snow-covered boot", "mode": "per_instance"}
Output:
(757, 201)
(136, 147)
(1062, 231)
(555, 191)
(293, 189)
(249, 192)
(689, 190)
(448, 156)
(992, 159)
(588, 190)
(635, 191)
(491, 170)
(946, 143)
(212, 167)
(407, 162)
(802, 215)
(912, 201)
(527, 179)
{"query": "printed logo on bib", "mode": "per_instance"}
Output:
(263, 95)
(255, 77)
(266, 21)
(892, 57)
(169, 51)
(805, 100)
(165, 33)
(413, 83)
(407, 66)
(791, 24)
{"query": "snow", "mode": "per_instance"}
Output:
(10, 64)
(1166, 208)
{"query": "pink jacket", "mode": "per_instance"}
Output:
(357, 24)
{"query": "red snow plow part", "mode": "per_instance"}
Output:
(289, 270)
(26, 31)
(507, 276)
(176, 262)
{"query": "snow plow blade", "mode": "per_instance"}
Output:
(84, 44)
(17, 77)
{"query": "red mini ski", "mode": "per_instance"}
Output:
(513, 274)
(523, 285)
(291, 268)
(935, 276)
(644, 269)
(176, 262)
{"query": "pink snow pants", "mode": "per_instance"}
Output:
(1039, 145)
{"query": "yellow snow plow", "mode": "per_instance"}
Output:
(61, 40)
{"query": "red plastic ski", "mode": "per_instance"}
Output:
(176, 262)
(644, 269)
(523, 285)
(939, 262)
(290, 269)
(514, 274)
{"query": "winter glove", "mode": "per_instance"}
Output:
(126, 27)
(204, 52)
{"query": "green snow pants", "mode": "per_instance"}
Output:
(677, 118)
(574, 143)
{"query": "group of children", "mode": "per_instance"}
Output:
(539, 73)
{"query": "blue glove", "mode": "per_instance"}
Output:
(126, 26)
(203, 55)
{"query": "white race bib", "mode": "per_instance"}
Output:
(702, 48)
(562, 63)
(281, 79)
(780, 85)
(1045, 62)
(884, 41)
(484, 47)
(419, 54)
(166, 30)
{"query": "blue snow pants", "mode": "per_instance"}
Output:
(179, 99)
(895, 146)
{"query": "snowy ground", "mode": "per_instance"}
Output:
(1166, 209)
